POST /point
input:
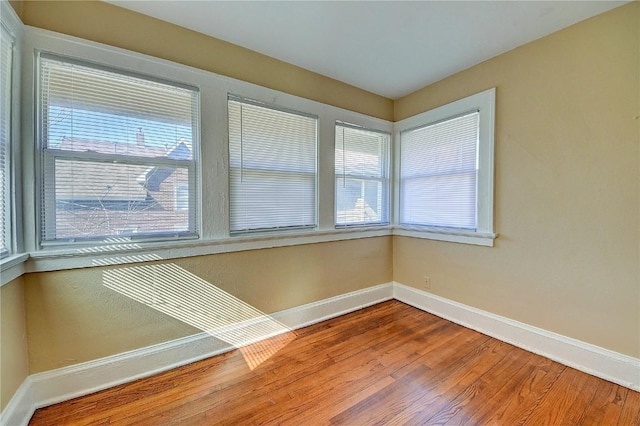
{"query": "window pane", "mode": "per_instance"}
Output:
(362, 184)
(91, 106)
(439, 174)
(272, 155)
(6, 64)
(115, 148)
(182, 196)
(115, 199)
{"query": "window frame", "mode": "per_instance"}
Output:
(385, 179)
(212, 180)
(274, 229)
(8, 246)
(46, 158)
(49, 157)
(13, 28)
(484, 103)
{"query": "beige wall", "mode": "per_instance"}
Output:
(14, 366)
(567, 197)
(115, 26)
(96, 321)
(567, 187)
(73, 317)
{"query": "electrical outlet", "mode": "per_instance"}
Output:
(427, 282)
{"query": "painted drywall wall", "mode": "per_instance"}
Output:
(566, 108)
(115, 26)
(567, 187)
(14, 366)
(76, 315)
(72, 317)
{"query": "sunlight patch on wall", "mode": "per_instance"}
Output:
(111, 244)
(176, 292)
(120, 260)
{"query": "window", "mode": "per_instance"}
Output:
(181, 196)
(439, 171)
(114, 146)
(362, 179)
(446, 168)
(6, 135)
(272, 157)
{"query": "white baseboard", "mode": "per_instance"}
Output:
(609, 365)
(313, 313)
(62, 384)
(20, 408)
(50, 387)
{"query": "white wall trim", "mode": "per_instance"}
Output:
(483, 102)
(454, 236)
(12, 267)
(50, 387)
(591, 359)
(20, 408)
(323, 310)
(132, 252)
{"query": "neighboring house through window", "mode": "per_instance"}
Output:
(114, 147)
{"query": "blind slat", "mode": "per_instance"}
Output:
(118, 154)
(6, 70)
(272, 156)
(362, 183)
(438, 182)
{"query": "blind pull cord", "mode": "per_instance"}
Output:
(344, 164)
(241, 146)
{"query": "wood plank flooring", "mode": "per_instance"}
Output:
(388, 364)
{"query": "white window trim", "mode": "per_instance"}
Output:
(48, 157)
(212, 179)
(484, 235)
(53, 260)
(51, 155)
(275, 229)
(385, 179)
(11, 266)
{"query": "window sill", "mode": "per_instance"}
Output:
(84, 257)
(12, 267)
(451, 235)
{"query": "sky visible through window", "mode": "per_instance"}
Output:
(95, 126)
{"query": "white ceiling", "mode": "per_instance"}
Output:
(391, 48)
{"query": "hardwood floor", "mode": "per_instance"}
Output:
(388, 364)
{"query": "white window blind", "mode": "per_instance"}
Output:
(114, 148)
(6, 68)
(272, 156)
(362, 178)
(438, 173)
